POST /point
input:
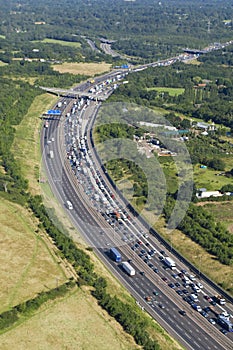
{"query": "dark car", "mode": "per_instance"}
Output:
(151, 265)
(164, 278)
(182, 312)
(179, 292)
(207, 309)
(162, 252)
(204, 314)
(156, 270)
(177, 284)
(155, 292)
(224, 331)
(161, 306)
(142, 273)
(185, 291)
(171, 285)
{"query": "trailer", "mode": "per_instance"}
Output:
(128, 268)
(169, 262)
(115, 255)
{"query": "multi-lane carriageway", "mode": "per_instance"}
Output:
(193, 330)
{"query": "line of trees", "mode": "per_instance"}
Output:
(9, 317)
(202, 228)
(127, 315)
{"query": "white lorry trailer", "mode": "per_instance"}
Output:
(128, 268)
(169, 262)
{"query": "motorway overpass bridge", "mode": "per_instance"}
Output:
(72, 93)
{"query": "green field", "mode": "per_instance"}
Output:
(60, 42)
(208, 178)
(222, 212)
(170, 91)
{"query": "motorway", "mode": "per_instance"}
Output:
(193, 330)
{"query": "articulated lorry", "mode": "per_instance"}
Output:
(128, 268)
(169, 262)
(115, 255)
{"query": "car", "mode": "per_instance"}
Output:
(179, 292)
(156, 270)
(185, 291)
(130, 260)
(152, 252)
(200, 285)
(212, 302)
(142, 273)
(185, 298)
(146, 260)
(147, 244)
(182, 312)
(165, 267)
(171, 285)
(207, 309)
(204, 314)
(141, 255)
(143, 251)
(155, 292)
(212, 321)
(160, 257)
(151, 265)
(184, 271)
(175, 276)
(162, 252)
(177, 284)
(161, 306)
(196, 289)
(224, 331)
(139, 242)
(164, 278)
(192, 277)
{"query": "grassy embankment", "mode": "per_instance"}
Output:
(27, 138)
(27, 264)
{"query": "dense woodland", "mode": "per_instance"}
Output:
(144, 29)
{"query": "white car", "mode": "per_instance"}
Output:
(192, 277)
(200, 285)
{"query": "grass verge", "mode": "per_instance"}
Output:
(27, 265)
(26, 145)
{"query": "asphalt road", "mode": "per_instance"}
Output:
(193, 331)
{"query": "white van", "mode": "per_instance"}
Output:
(194, 297)
(69, 205)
